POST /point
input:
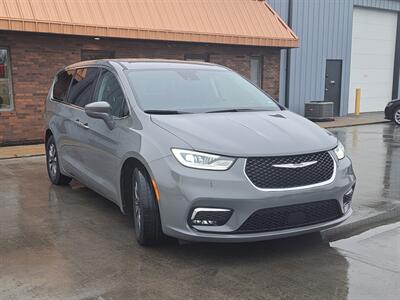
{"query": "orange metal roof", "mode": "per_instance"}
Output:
(240, 22)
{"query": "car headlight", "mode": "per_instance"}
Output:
(199, 160)
(339, 151)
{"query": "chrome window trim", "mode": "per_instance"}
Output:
(297, 187)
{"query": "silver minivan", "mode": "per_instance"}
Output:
(194, 151)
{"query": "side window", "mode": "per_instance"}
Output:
(110, 91)
(61, 85)
(83, 84)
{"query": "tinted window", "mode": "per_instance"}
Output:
(61, 85)
(196, 90)
(110, 91)
(81, 91)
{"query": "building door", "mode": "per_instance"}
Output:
(372, 58)
(333, 83)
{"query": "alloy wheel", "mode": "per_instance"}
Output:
(52, 160)
(136, 208)
(397, 116)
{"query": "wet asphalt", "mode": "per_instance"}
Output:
(70, 243)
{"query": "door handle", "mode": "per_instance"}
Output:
(81, 124)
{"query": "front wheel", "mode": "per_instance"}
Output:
(53, 166)
(396, 116)
(146, 216)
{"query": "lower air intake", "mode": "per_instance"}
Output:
(286, 217)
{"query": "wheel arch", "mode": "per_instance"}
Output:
(125, 177)
(48, 134)
(396, 107)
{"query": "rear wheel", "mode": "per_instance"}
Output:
(53, 166)
(396, 116)
(146, 216)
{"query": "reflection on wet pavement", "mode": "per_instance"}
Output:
(69, 242)
(374, 262)
(375, 152)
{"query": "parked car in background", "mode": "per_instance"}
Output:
(392, 111)
(194, 151)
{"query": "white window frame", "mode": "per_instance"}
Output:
(260, 63)
(9, 79)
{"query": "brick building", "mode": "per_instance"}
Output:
(37, 39)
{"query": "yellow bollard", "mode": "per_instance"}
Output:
(358, 102)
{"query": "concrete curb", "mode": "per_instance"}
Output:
(349, 229)
(8, 152)
(22, 156)
(352, 125)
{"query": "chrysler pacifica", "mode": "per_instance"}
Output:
(194, 151)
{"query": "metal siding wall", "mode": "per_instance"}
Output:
(325, 31)
(324, 28)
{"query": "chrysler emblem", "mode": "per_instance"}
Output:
(295, 166)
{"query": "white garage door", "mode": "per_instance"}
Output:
(372, 58)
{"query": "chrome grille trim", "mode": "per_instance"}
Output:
(297, 187)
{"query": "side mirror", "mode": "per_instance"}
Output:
(100, 110)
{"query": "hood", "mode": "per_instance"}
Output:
(244, 134)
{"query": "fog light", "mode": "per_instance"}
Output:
(210, 216)
(347, 199)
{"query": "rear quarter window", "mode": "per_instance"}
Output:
(61, 85)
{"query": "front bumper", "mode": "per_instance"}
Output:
(182, 189)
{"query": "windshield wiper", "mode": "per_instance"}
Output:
(234, 110)
(165, 112)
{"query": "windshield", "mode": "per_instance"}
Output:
(185, 90)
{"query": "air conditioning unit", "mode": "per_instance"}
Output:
(319, 111)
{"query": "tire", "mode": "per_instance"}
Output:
(53, 166)
(396, 115)
(146, 215)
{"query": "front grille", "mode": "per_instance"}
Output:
(263, 174)
(285, 217)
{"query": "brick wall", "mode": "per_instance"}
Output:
(36, 57)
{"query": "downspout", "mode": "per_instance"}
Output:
(396, 71)
(288, 52)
